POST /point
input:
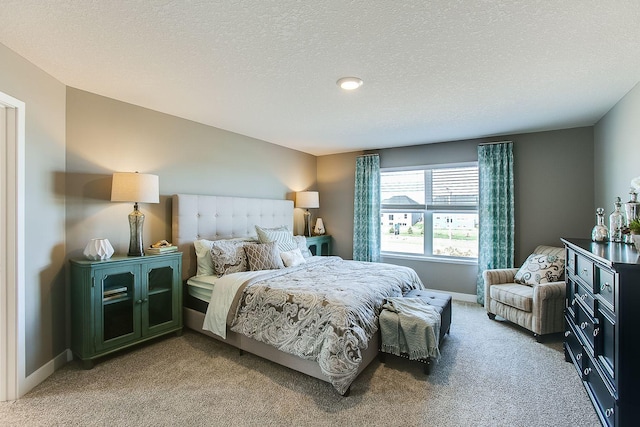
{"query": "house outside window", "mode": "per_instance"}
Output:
(430, 211)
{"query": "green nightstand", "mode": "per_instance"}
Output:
(319, 245)
(122, 301)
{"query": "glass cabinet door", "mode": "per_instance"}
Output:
(161, 310)
(118, 318)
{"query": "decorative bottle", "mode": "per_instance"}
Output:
(632, 210)
(600, 233)
(616, 222)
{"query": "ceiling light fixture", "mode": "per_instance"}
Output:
(349, 83)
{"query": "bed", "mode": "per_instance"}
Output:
(336, 356)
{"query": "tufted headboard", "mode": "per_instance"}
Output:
(216, 217)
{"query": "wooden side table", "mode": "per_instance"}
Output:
(319, 245)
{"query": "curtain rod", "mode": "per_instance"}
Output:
(496, 142)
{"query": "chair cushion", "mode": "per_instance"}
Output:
(514, 295)
(540, 268)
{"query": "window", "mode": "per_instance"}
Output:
(430, 211)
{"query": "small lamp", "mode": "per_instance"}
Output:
(307, 200)
(137, 188)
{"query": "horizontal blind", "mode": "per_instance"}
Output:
(454, 187)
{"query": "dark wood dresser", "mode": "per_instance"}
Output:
(602, 336)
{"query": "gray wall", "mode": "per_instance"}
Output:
(45, 295)
(106, 136)
(550, 169)
(617, 150)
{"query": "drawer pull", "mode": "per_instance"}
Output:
(583, 325)
(587, 371)
(573, 302)
(595, 332)
(584, 271)
(605, 286)
(578, 356)
(567, 333)
(608, 412)
(583, 297)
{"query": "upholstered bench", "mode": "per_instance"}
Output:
(442, 303)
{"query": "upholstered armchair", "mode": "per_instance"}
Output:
(531, 296)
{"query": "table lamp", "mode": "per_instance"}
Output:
(307, 200)
(137, 188)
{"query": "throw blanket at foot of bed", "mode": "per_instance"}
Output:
(410, 326)
(324, 310)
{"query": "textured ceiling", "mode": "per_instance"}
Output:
(433, 70)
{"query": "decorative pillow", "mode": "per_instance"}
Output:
(228, 256)
(264, 257)
(301, 241)
(203, 257)
(281, 235)
(540, 268)
(292, 258)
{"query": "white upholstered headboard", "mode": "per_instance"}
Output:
(216, 217)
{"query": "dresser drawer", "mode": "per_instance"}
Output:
(584, 270)
(570, 301)
(586, 297)
(573, 346)
(571, 260)
(585, 324)
(606, 343)
(603, 395)
(606, 286)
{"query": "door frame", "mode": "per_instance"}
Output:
(12, 249)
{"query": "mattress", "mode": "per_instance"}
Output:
(200, 287)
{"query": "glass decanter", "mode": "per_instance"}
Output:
(616, 222)
(600, 232)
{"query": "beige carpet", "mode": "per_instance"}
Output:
(490, 374)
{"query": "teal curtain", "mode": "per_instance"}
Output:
(496, 209)
(366, 209)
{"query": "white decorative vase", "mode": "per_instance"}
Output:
(319, 228)
(98, 249)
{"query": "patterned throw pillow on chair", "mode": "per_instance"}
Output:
(540, 268)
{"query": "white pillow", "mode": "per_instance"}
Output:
(203, 257)
(540, 268)
(301, 241)
(292, 258)
(280, 235)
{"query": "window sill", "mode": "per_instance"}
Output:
(444, 260)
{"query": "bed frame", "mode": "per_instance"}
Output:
(216, 217)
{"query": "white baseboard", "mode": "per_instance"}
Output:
(46, 370)
(462, 297)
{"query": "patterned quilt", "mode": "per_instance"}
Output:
(324, 311)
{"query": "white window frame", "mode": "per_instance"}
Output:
(427, 215)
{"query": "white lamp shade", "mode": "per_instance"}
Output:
(135, 187)
(307, 199)
(98, 249)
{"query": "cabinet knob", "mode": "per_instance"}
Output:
(596, 331)
(605, 286)
(583, 297)
(578, 356)
(608, 412)
(145, 299)
(567, 333)
(587, 371)
(139, 301)
(583, 325)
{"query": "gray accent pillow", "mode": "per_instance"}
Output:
(281, 235)
(228, 256)
(265, 256)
